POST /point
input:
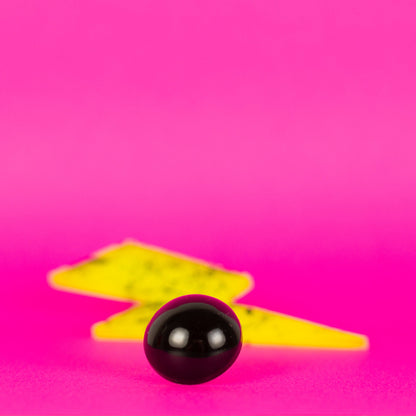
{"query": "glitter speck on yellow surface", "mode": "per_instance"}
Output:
(150, 277)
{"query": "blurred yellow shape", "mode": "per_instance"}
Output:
(150, 277)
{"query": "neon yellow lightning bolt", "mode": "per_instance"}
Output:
(150, 277)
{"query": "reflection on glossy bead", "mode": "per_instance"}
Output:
(193, 339)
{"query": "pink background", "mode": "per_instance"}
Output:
(272, 137)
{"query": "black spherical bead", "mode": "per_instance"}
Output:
(193, 339)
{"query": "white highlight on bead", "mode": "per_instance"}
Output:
(216, 338)
(178, 338)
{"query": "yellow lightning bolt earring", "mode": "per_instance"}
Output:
(150, 277)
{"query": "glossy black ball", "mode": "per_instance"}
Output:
(193, 339)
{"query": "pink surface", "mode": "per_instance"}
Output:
(276, 138)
